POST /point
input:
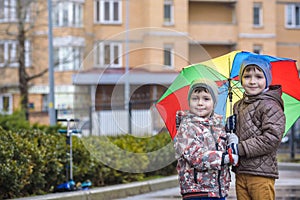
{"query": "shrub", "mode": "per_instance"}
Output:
(34, 159)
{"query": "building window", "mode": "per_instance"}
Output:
(168, 56)
(257, 49)
(292, 16)
(257, 15)
(6, 104)
(67, 14)
(68, 58)
(168, 12)
(9, 52)
(2, 50)
(45, 102)
(8, 10)
(108, 11)
(108, 54)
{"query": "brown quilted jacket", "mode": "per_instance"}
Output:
(260, 127)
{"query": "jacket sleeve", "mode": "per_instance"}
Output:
(272, 129)
(195, 150)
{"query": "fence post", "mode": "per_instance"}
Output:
(129, 117)
(91, 120)
(292, 143)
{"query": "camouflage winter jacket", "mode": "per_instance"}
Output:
(199, 145)
(260, 126)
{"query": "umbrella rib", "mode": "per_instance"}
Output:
(213, 71)
(239, 88)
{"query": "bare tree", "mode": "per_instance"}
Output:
(26, 22)
(20, 17)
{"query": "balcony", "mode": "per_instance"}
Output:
(213, 33)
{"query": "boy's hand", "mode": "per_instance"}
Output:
(232, 159)
(232, 138)
(233, 148)
(232, 155)
(230, 125)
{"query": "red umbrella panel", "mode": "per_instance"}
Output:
(176, 96)
(224, 70)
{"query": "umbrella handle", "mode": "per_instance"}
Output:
(230, 94)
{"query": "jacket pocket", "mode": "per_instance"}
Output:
(207, 180)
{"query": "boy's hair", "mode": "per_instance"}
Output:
(252, 67)
(200, 89)
(261, 63)
(204, 85)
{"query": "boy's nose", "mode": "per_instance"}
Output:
(252, 80)
(200, 102)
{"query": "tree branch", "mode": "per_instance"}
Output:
(37, 75)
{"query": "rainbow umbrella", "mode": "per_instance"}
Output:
(224, 71)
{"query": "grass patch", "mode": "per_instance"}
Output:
(286, 157)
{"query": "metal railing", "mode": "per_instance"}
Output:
(141, 118)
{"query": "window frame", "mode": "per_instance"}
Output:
(168, 53)
(9, 11)
(45, 102)
(10, 53)
(257, 20)
(67, 14)
(10, 103)
(291, 15)
(100, 12)
(100, 55)
(65, 62)
(168, 20)
(258, 49)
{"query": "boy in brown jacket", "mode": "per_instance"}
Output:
(260, 126)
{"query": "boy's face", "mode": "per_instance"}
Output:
(201, 103)
(253, 80)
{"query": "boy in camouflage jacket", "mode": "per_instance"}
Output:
(200, 146)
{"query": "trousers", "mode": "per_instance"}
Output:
(252, 187)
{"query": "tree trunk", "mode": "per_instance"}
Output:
(23, 81)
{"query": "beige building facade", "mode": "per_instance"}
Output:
(113, 51)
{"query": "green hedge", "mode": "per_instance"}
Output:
(33, 159)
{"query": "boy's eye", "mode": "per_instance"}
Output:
(206, 99)
(259, 76)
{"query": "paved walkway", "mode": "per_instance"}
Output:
(287, 187)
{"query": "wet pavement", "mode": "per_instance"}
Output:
(287, 188)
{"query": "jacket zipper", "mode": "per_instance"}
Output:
(219, 176)
(219, 171)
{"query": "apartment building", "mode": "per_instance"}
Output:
(107, 52)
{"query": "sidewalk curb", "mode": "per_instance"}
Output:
(125, 190)
(289, 166)
(112, 192)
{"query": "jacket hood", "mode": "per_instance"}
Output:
(273, 93)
